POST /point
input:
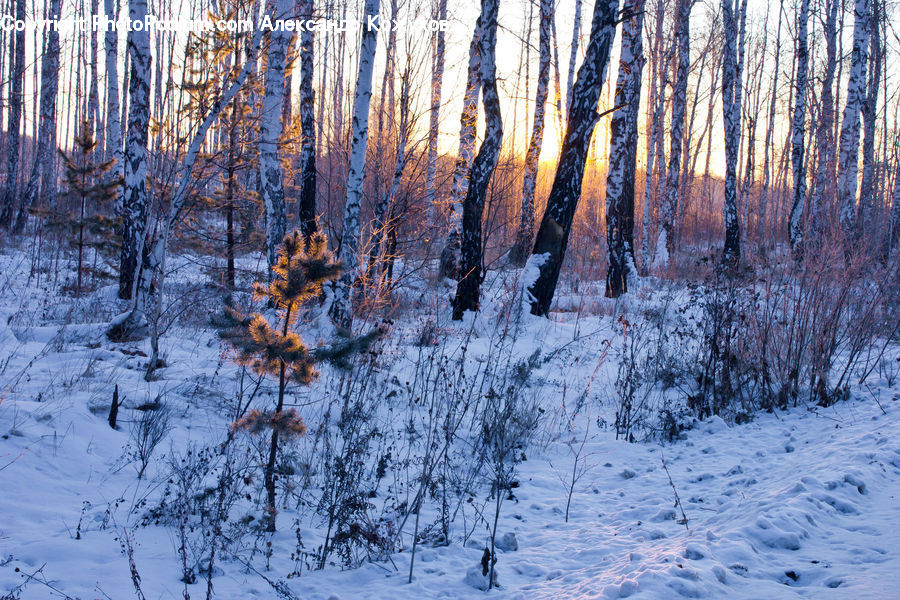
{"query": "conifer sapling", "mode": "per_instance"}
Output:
(277, 350)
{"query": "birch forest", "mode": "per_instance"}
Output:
(423, 299)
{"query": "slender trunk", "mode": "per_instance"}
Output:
(14, 117)
(437, 75)
(113, 124)
(798, 131)
(849, 142)
(470, 273)
(573, 55)
(270, 172)
(669, 208)
(556, 224)
(341, 313)
(623, 153)
(449, 263)
(519, 252)
(307, 209)
(770, 127)
(731, 107)
(869, 116)
(135, 205)
(41, 183)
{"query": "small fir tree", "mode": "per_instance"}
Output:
(275, 350)
(87, 182)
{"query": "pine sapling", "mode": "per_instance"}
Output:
(275, 350)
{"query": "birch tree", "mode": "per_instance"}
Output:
(519, 252)
(573, 55)
(669, 209)
(271, 185)
(798, 131)
(556, 223)
(731, 112)
(770, 128)
(468, 121)
(42, 183)
(470, 271)
(307, 209)
(849, 141)
(14, 117)
(825, 126)
(437, 76)
(341, 313)
(869, 118)
(623, 153)
(135, 204)
(113, 136)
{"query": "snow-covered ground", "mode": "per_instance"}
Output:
(795, 504)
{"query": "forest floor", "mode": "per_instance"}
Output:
(803, 503)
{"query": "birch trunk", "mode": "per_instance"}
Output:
(623, 153)
(449, 263)
(113, 123)
(14, 117)
(869, 116)
(341, 313)
(519, 252)
(307, 209)
(42, 184)
(135, 205)
(470, 273)
(798, 132)
(848, 157)
(770, 127)
(437, 76)
(669, 208)
(731, 113)
(573, 55)
(271, 184)
(556, 224)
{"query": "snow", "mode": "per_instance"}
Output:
(795, 504)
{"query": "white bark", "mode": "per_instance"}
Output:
(732, 66)
(113, 124)
(623, 153)
(464, 157)
(341, 313)
(669, 208)
(270, 174)
(437, 76)
(135, 205)
(848, 159)
(573, 55)
(532, 157)
(42, 183)
(798, 131)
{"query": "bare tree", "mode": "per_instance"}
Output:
(519, 252)
(553, 234)
(449, 264)
(270, 174)
(307, 209)
(470, 271)
(731, 110)
(623, 153)
(869, 117)
(437, 76)
(825, 127)
(798, 131)
(849, 142)
(14, 117)
(341, 313)
(41, 183)
(135, 202)
(669, 208)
